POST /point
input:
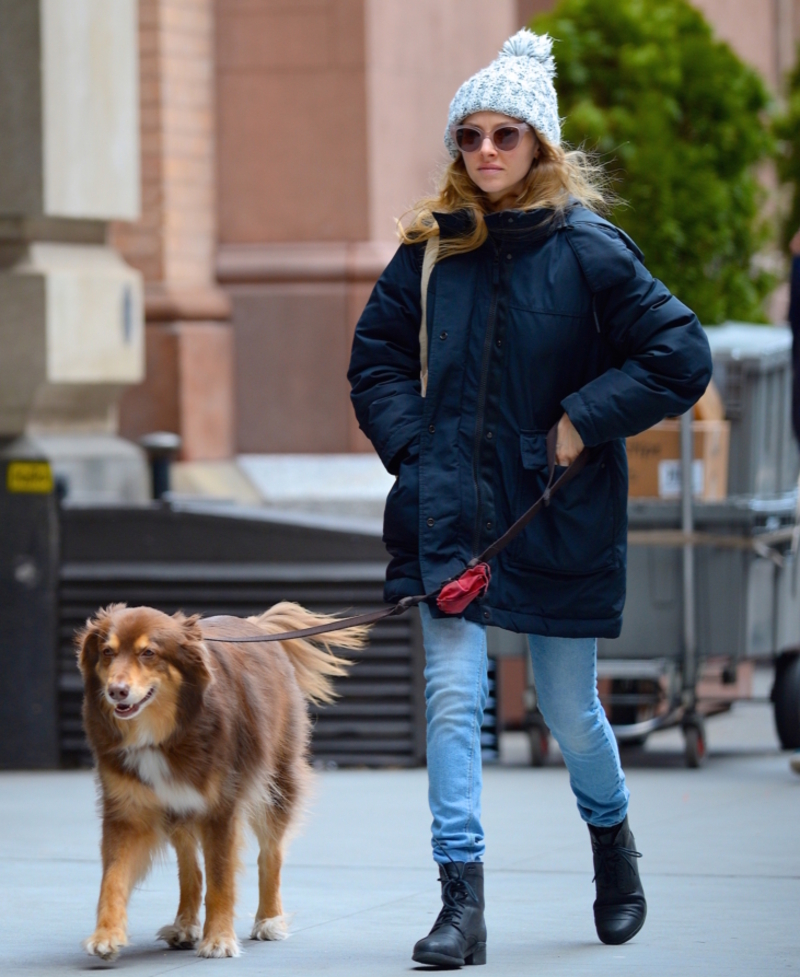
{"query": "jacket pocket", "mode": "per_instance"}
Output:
(575, 534)
(401, 515)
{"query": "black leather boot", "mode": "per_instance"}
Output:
(458, 936)
(620, 907)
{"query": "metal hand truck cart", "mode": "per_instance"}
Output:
(711, 582)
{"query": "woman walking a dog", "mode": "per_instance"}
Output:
(511, 308)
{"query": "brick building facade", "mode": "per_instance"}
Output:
(280, 141)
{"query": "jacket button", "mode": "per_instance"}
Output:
(443, 334)
(499, 342)
(489, 435)
(430, 520)
(489, 524)
(486, 615)
(432, 428)
(508, 257)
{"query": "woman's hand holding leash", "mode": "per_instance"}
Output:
(569, 443)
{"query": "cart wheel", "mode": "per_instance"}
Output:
(694, 737)
(540, 745)
(786, 700)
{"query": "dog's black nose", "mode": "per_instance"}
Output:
(119, 691)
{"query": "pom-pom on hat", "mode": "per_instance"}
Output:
(519, 83)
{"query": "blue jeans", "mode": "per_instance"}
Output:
(565, 670)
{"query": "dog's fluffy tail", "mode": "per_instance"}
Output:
(314, 662)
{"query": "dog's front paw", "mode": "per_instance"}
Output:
(270, 929)
(105, 943)
(180, 935)
(219, 946)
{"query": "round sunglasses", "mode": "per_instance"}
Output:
(505, 137)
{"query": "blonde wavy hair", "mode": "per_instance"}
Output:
(557, 178)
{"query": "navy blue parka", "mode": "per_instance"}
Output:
(552, 313)
(794, 322)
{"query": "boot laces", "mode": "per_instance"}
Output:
(455, 893)
(610, 859)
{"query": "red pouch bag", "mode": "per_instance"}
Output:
(460, 593)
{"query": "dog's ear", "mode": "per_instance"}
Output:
(87, 641)
(194, 657)
(89, 638)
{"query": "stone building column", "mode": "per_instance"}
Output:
(71, 335)
(188, 387)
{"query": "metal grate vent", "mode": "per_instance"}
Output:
(730, 379)
(378, 720)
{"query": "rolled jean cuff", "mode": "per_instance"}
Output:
(455, 856)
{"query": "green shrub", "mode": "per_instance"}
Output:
(682, 119)
(787, 132)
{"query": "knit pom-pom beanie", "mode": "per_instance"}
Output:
(519, 83)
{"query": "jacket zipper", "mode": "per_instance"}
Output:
(482, 390)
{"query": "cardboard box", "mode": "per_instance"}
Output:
(654, 461)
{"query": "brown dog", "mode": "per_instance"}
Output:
(192, 736)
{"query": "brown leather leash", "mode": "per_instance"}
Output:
(472, 582)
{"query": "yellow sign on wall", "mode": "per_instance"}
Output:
(29, 476)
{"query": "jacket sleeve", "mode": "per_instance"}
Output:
(384, 364)
(665, 360)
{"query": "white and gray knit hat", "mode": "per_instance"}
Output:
(519, 83)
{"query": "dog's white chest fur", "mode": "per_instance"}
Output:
(152, 769)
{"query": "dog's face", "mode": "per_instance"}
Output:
(138, 659)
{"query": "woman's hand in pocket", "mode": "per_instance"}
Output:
(568, 442)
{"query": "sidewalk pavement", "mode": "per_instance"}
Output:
(721, 870)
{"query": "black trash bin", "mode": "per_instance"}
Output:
(28, 593)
